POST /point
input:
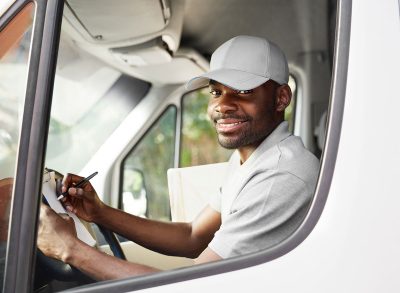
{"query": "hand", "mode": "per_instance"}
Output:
(84, 202)
(56, 234)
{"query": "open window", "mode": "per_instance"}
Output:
(144, 184)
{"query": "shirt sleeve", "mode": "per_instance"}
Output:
(266, 211)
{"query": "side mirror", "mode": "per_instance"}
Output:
(134, 193)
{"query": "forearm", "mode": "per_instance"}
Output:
(102, 266)
(163, 237)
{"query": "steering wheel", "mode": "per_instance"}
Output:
(48, 269)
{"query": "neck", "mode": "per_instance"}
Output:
(246, 151)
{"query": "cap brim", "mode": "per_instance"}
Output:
(235, 79)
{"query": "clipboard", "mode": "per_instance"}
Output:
(49, 192)
(191, 188)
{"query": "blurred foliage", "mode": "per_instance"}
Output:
(133, 182)
(153, 156)
(199, 144)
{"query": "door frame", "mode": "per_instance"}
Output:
(21, 246)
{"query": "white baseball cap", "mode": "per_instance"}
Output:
(244, 63)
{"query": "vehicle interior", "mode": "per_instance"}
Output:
(120, 106)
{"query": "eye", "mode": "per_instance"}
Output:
(244, 92)
(214, 92)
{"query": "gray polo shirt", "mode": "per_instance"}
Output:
(265, 199)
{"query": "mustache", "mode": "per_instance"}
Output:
(217, 116)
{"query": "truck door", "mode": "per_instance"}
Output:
(29, 32)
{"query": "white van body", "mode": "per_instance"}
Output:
(355, 244)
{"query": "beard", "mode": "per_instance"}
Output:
(245, 138)
(251, 134)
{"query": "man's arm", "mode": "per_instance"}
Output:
(102, 266)
(179, 239)
(57, 239)
(88, 259)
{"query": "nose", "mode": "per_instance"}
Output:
(226, 104)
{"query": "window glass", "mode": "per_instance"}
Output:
(90, 100)
(15, 43)
(144, 170)
(199, 144)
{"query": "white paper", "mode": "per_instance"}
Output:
(190, 189)
(49, 192)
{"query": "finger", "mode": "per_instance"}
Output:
(88, 187)
(70, 208)
(68, 200)
(66, 218)
(69, 179)
(70, 203)
(76, 192)
(80, 194)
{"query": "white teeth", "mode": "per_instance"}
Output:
(229, 124)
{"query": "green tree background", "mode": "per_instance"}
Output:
(154, 155)
(199, 144)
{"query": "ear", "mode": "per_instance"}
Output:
(283, 97)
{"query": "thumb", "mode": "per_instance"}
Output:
(64, 216)
(67, 218)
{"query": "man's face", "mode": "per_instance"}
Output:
(243, 118)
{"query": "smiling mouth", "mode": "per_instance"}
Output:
(228, 125)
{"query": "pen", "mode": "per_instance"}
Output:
(79, 184)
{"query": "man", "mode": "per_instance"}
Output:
(263, 199)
